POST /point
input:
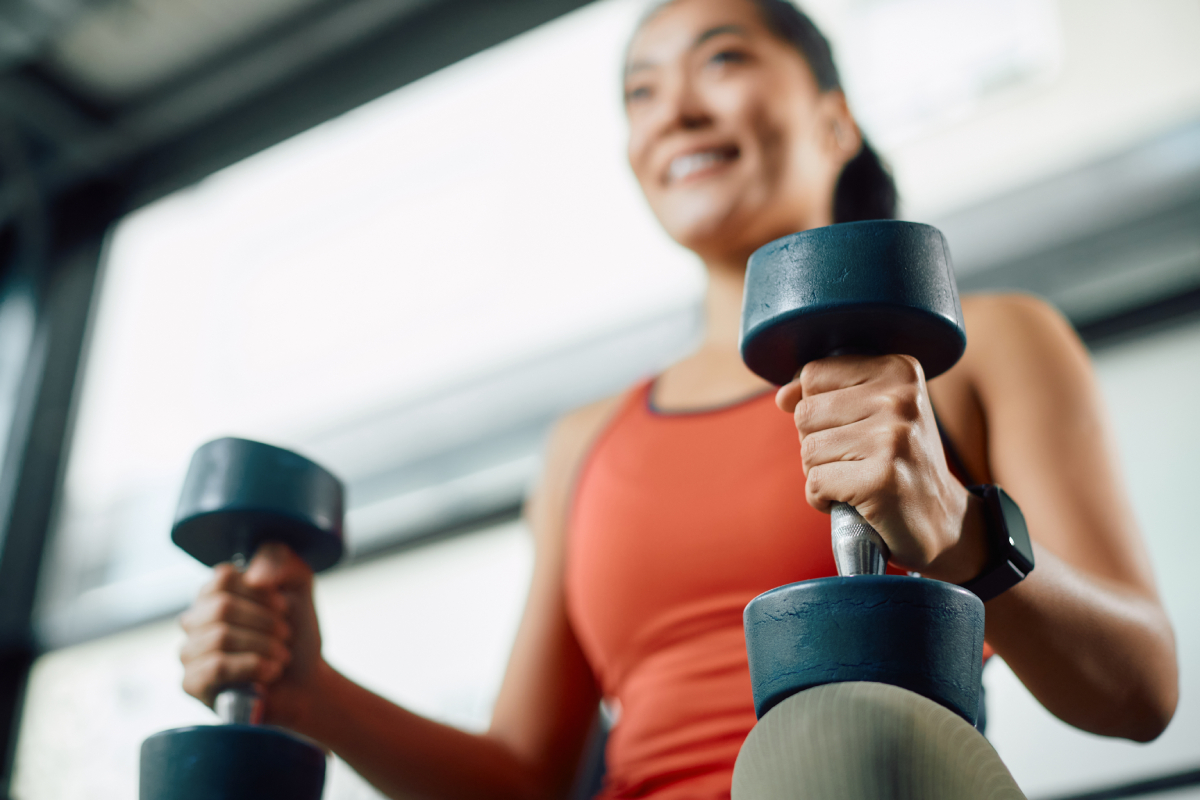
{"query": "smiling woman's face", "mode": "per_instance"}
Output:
(732, 141)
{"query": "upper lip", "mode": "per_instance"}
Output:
(691, 150)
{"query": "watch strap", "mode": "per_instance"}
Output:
(1010, 552)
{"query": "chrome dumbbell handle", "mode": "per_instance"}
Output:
(238, 705)
(857, 548)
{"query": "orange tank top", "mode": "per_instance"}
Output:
(678, 521)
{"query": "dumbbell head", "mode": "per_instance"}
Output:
(239, 493)
(874, 287)
(919, 634)
(231, 762)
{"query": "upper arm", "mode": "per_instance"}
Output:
(1048, 438)
(549, 698)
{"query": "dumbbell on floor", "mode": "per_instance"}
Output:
(237, 495)
(881, 287)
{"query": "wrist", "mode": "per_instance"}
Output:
(319, 704)
(968, 556)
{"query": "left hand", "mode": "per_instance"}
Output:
(868, 437)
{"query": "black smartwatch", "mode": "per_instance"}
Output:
(1010, 553)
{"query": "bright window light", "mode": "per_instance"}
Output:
(460, 227)
(911, 65)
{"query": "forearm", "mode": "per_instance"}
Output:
(408, 756)
(1097, 655)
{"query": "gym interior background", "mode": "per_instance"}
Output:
(397, 236)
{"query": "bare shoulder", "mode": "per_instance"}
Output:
(995, 319)
(1012, 332)
(568, 445)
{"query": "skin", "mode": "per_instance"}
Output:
(1085, 632)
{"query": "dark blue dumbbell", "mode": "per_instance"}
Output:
(237, 495)
(876, 288)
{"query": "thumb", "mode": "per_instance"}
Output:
(277, 566)
(789, 396)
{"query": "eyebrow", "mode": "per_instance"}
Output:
(711, 33)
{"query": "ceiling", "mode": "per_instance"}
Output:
(155, 94)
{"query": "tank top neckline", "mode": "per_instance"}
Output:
(646, 392)
(644, 396)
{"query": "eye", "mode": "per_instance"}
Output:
(727, 56)
(635, 93)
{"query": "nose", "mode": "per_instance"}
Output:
(680, 106)
(688, 111)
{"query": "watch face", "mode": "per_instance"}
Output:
(1021, 554)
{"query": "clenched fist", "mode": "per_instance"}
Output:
(868, 437)
(256, 627)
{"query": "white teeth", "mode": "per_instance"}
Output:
(684, 166)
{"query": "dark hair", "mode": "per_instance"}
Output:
(865, 189)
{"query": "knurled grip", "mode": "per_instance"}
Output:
(857, 548)
(236, 705)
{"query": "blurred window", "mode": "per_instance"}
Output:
(409, 294)
(383, 624)
(911, 65)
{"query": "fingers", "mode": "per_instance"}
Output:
(868, 453)
(227, 580)
(236, 633)
(841, 372)
(843, 443)
(859, 483)
(236, 611)
(219, 637)
(205, 676)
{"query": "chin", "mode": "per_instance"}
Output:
(704, 227)
(723, 236)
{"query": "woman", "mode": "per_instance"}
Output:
(663, 511)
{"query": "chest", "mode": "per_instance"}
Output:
(679, 520)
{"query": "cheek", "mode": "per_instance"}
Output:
(637, 155)
(776, 136)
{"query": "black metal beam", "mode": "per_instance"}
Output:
(1145, 320)
(63, 289)
(416, 45)
(1142, 788)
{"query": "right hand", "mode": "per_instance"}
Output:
(256, 627)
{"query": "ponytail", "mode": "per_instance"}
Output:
(865, 189)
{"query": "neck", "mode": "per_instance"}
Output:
(726, 282)
(723, 305)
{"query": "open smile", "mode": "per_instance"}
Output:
(701, 162)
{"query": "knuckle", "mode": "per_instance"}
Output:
(192, 687)
(232, 670)
(223, 607)
(224, 637)
(814, 486)
(254, 664)
(803, 415)
(904, 402)
(905, 366)
(809, 375)
(896, 441)
(810, 448)
(224, 576)
(207, 674)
